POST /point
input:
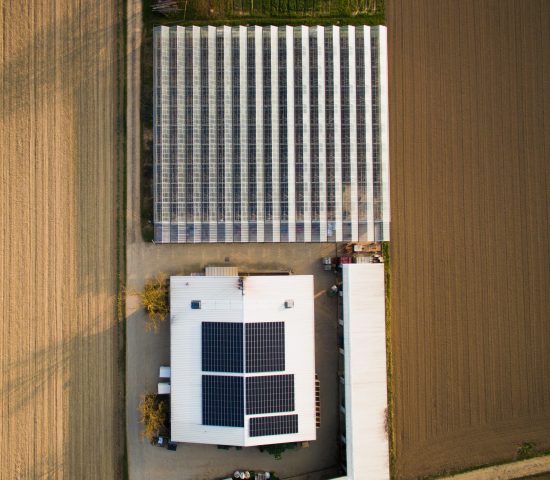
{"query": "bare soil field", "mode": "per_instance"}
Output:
(61, 382)
(470, 176)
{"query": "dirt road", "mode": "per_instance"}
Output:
(523, 469)
(61, 407)
(470, 176)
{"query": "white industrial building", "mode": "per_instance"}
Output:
(242, 353)
(270, 134)
(365, 439)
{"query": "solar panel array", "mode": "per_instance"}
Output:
(222, 347)
(265, 347)
(222, 401)
(269, 394)
(277, 425)
(223, 395)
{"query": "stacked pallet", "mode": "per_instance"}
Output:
(166, 6)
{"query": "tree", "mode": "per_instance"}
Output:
(152, 415)
(154, 299)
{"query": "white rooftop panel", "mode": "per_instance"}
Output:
(365, 372)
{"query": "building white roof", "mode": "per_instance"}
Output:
(367, 446)
(222, 300)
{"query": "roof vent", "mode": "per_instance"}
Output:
(195, 304)
(289, 303)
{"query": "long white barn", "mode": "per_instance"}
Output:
(270, 134)
(365, 376)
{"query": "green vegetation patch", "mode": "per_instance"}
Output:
(389, 362)
(276, 451)
(146, 110)
(271, 12)
(526, 450)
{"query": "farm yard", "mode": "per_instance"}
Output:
(145, 260)
(469, 114)
(61, 375)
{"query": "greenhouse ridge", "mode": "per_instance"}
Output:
(270, 134)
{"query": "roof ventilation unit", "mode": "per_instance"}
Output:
(289, 303)
(195, 304)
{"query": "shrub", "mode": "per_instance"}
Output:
(152, 415)
(154, 299)
(277, 449)
(526, 450)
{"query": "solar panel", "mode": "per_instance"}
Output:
(222, 401)
(265, 347)
(269, 394)
(222, 347)
(278, 425)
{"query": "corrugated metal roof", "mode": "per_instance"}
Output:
(214, 271)
(365, 372)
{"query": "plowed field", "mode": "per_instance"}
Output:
(61, 403)
(470, 176)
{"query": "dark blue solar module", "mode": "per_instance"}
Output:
(265, 347)
(222, 347)
(269, 394)
(222, 401)
(278, 425)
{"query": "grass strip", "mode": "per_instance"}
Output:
(121, 205)
(389, 361)
(270, 12)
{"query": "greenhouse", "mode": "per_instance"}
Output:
(270, 134)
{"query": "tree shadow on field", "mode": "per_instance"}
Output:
(73, 392)
(84, 39)
(71, 68)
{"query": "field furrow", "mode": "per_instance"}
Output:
(469, 116)
(61, 407)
